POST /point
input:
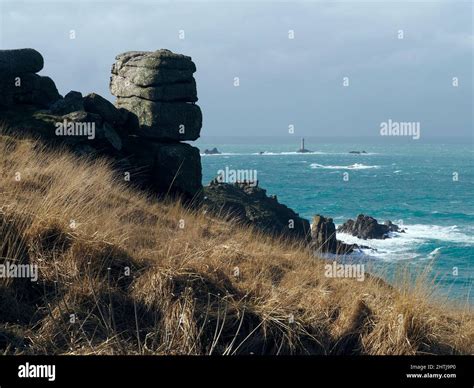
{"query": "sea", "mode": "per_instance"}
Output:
(425, 187)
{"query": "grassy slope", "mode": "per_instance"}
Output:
(182, 295)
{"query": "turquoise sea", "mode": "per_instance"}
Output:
(428, 188)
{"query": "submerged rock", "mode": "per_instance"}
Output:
(213, 151)
(367, 227)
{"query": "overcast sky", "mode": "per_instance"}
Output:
(282, 81)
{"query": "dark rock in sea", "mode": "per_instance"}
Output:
(249, 204)
(323, 237)
(72, 102)
(393, 227)
(367, 227)
(213, 151)
(20, 61)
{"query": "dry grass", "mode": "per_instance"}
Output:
(84, 229)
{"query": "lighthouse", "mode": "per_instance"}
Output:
(302, 149)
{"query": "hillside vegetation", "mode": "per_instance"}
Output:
(121, 273)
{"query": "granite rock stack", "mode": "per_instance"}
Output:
(159, 91)
(159, 88)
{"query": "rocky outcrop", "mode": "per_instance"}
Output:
(212, 151)
(159, 92)
(19, 83)
(323, 237)
(156, 94)
(367, 227)
(159, 89)
(167, 167)
(250, 204)
(72, 102)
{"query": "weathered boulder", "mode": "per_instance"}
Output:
(160, 59)
(323, 237)
(167, 168)
(72, 102)
(164, 120)
(97, 104)
(90, 128)
(143, 76)
(82, 116)
(19, 61)
(27, 88)
(182, 91)
(367, 227)
(159, 90)
(18, 82)
(250, 204)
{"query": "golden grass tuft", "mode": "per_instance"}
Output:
(118, 275)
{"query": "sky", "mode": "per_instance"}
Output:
(283, 82)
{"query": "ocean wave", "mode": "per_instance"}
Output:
(405, 246)
(225, 154)
(288, 153)
(355, 166)
(270, 153)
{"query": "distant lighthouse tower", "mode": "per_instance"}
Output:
(302, 149)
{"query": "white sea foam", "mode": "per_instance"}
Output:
(224, 154)
(403, 246)
(355, 166)
(269, 153)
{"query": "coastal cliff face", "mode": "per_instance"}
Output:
(154, 111)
